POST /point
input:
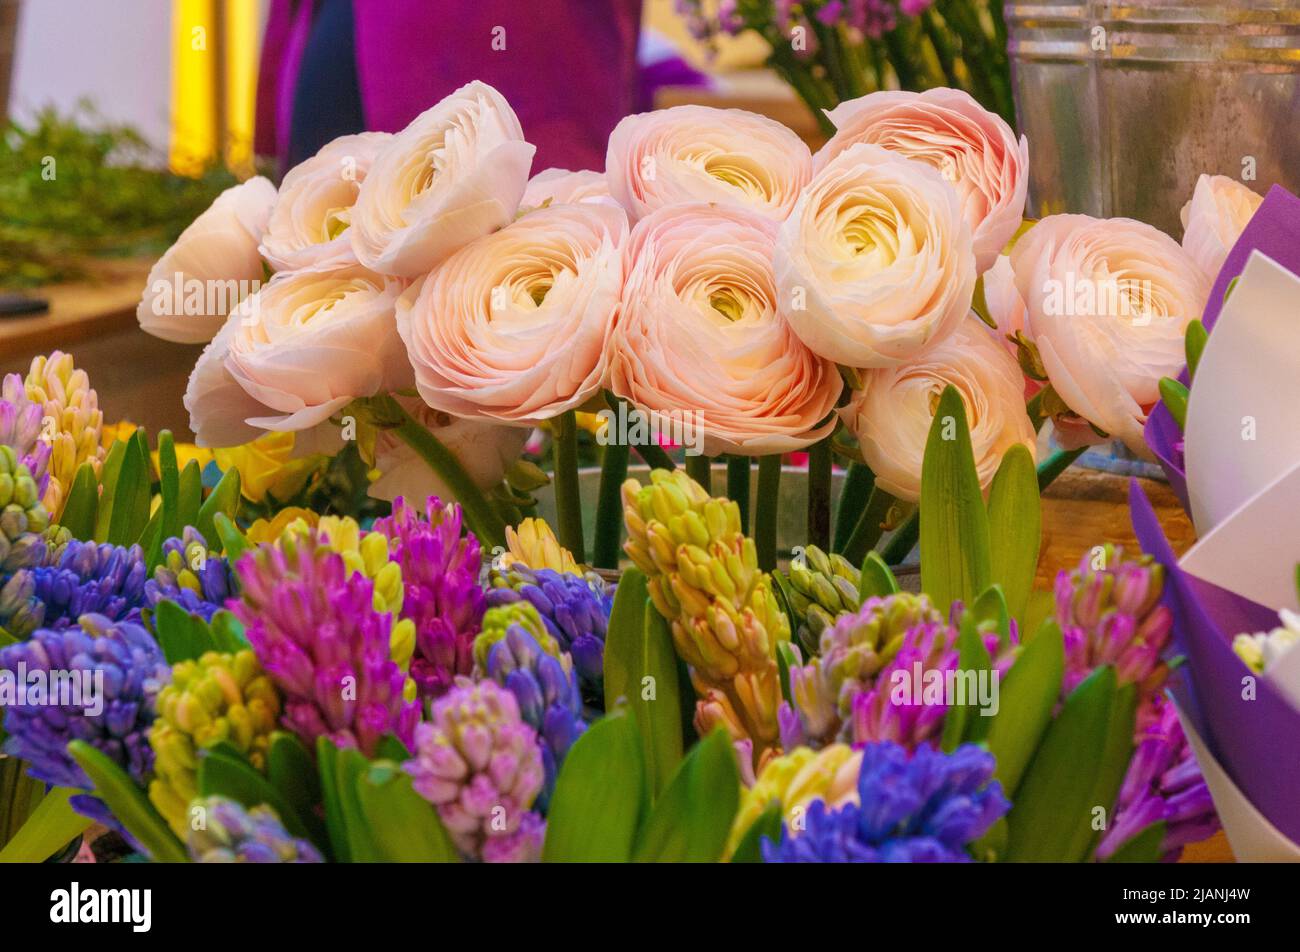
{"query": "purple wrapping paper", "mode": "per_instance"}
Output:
(1274, 230)
(1256, 741)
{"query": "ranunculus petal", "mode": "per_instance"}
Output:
(562, 187)
(1214, 218)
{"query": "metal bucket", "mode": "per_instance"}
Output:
(1125, 104)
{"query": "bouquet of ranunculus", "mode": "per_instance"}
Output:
(832, 51)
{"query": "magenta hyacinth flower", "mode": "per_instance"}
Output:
(440, 574)
(314, 629)
(900, 707)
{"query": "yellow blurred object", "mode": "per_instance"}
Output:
(534, 544)
(270, 530)
(71, 422)
(266, 466)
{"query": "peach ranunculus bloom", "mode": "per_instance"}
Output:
(701, 154)
(562, 187)
(313, 210)
(1107, 303)
(700, 332)
(892, 413)
(456, 173)
(1214, 218)
(874, 264)
(974, 149)
(515, 326)
(211, 268)
(484, 449)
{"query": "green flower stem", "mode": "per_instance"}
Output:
(870, 526)
(765, 513)
(854, 494)
(700, 468)
(819, 493)
(568, 495)
(480, 515)
(738, 468)
(1056, 464)
(609, 506)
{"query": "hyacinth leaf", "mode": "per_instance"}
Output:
(955, 560)
(290, 770)
(1015, 526)
(182, 636)
(189, 495)
(349, 766)
(1115, 757)
(109, 474)
(83, 504)
(877, 579)
(47, 830)
(992, 606)
(1052, 815)
(327, 756)
(692, 819)
(963, 722)
(223, 775)
(169, 481)
(600, 795)
(128, 804)
(390, 748)
(403, 826)
(1146, 846)
(1174, 394)
(227, 632)
(641, 670)
(233, 542)
(767, 826)
(131, 495)
(224, 498)
(1026, 700)
(787, 657)
(785, 598)
(1194, 341)
(150, 540)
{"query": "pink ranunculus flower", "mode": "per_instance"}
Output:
(974, 150)
(892, 413)
(218, 406)
(1214, 218)
(562, 187)
(313, 210)
(1107, 303)
(700, 154)
(1003, 300)
(457, 172)
(874, 264)
(700, 332)
(211, 268)
(515, 326)
(310, 342)
(485, 450)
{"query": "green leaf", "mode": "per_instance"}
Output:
(787, 657)
(1052, 814)
(1115, 756)
(327, 756)
(224, 498)
(182, 636)
(1026, 699)
(1143, 847)
(109, 474)
(600, 795)
(82, 505)
(227, 632)
(955, 560)
(289, 769)
(692, 819)
(1015, 527)
(768, 824)
(876, 580)
(1194, 340)
(169, 480)
(404, 826)
(50, 828)
(129, 804)
(232, 777)
(189, 494)
(992, 608)
(131, 495)
(229, 539)
(1174, 394)
(349, 766)
(639, 646)
(964, 722)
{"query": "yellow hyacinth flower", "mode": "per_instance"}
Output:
(534, 544)
(270, 530)
(71, 422)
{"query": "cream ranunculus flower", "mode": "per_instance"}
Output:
(874, 264)
(310, 342)
(219, 407)
(974, 150)
(1107, 303)
(308, 224)
(213, 265)
(562, 187)
(701, 332)
(515, 326)
(891, 414)
(485, 450)
(1214, 218)
(701, 154)
(457, 172)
